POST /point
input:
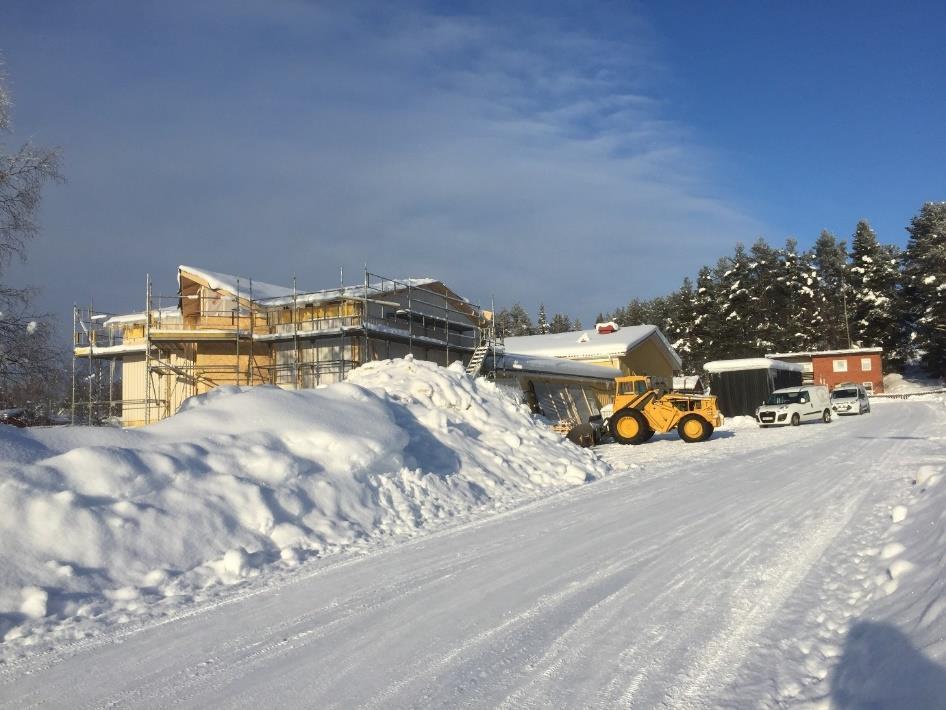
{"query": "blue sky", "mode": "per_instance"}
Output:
(579, 154)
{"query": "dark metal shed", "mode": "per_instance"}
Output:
(742, 385)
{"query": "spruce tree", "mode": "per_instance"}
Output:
(736, 324)
(803, 319)
(767, 296)
(635, 313)
(543, 326)
(830, 259)
(924, 283)
(519, 322)
(560, 323)
(874, 279)
(679, 326)
(706, 317)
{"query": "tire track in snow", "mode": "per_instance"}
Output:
(237, 656)
(722, 655)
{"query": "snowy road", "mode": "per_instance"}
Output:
(663, 586)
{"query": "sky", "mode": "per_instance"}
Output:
(573, 154)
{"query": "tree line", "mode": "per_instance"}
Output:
(782, 299)
(516, 321)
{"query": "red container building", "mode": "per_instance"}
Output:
(832, 367)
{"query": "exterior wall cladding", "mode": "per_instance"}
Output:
(829, 370)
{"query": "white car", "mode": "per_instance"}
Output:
(850, 398)
(794, 405)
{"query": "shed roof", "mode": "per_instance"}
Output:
(551, 366)
(811, 353)
(586, 344)
(751, 363)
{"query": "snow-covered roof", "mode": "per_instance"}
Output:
(550, 365)
(162, 313)
(687, 382)
(273, 295)
(810, 353)
(347, 292)
(233, 284)
(587, 344)
(751, 363)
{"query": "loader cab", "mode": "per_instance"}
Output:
(633, 385)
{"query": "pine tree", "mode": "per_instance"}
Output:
(736, 324)
(874, 278)
(577, 325)
(830, 259)
(560, 323)
(679, 326)
(924, 283)
(706, 318)
(543, 327)
(503, 322)
(636, 313)
(803, 319)
(766, 296)
(519, 322)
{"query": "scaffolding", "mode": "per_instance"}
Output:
(202, 337)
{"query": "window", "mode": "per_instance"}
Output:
(839, 365)
(865, 364)
(869, 386)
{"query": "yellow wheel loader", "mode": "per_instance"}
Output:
(640, 410)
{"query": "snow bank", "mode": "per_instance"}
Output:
(912, 380)
(96, 523)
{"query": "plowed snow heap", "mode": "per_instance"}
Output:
(107, 523)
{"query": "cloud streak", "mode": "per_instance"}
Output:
(517, 155)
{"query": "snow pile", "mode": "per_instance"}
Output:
(741, 422)
(112, 524)
(911, 381)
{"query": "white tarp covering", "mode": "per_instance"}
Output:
(751, 363)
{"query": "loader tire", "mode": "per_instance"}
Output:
(693, 429)
(629, 427)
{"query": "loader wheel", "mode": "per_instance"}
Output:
(629, 427)
(826, 416)
(796, 420)
(693, 429)
(583, 435)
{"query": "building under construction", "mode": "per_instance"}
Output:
(220, 329)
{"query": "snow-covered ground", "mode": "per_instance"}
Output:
(911, 380)
(104, 526)
(794, 567)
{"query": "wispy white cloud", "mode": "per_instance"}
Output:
(520, 155)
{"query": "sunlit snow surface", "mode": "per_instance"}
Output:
(100, 526)
(793, 567)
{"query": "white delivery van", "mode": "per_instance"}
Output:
(794, 405)
(850, 398)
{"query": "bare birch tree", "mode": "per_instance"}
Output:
(28, 361)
